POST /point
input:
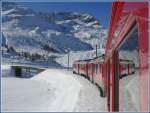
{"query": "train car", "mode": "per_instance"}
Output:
(127, 39)
(97, 71)
(98, 77)
(75, 68)
(127, 67)
(81, 67)
(91, 69)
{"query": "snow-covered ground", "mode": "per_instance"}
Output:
(5, 70)
(51, 90)
(129, 93)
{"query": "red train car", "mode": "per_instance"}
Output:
(91, 69)
(75, 68)
(127, 67)
(80, 67)
(96, 70)
(126, 54)
(127, 39)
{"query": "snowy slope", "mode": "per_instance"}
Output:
(46, 92)
(130, 93)
(49, 33)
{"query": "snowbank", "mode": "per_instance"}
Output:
(130, 93)
(67, 89)
(25, 95)
(51, 90)
(5, 70)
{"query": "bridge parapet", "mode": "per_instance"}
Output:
(25, 71)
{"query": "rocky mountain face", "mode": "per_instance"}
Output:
(48, 34)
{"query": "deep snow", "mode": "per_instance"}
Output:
(5, 70)
(130, 93)
(51, 90)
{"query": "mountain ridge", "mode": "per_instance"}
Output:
(49, 33)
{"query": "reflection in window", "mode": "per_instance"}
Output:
(129, 72)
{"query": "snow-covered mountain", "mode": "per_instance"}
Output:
(26, 31)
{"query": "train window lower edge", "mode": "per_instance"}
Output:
(129, 92)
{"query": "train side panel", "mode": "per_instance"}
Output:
(129, 22)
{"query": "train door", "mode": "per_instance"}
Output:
(90, 71)
(129, 87)
(87, 70)
(78, 68)
(93, 72)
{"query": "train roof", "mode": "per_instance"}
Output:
(99, 58)
(86, 60)
(126, 61)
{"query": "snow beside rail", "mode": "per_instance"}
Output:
(130, 93)
(51, 90)
(67, 89)
(5, 70)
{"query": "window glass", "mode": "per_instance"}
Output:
(129, 72)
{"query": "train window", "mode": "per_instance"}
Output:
(100, 68)
(129, 72)
(93, 67)
(96, 68)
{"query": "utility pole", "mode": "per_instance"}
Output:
(68, 59)
(96, 50)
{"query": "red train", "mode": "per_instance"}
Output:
(126, 54)
(127, 67)
(92, 69)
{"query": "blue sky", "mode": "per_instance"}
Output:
(100, 10)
